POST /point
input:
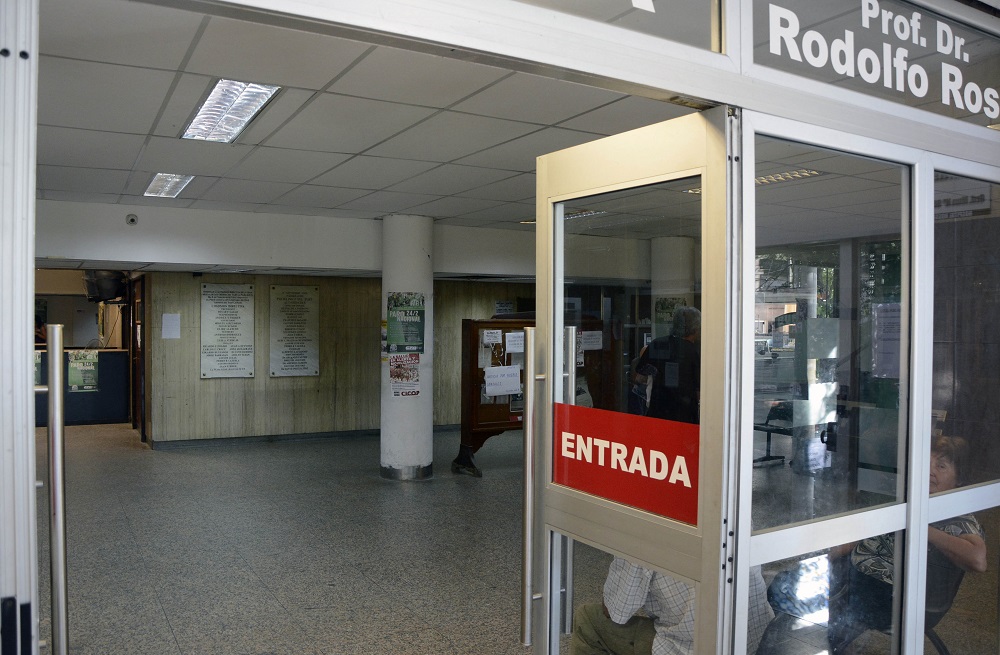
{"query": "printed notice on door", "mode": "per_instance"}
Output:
(294, 331)
(227, 340)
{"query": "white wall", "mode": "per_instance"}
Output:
(97, 233)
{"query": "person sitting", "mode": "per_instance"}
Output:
(646, 612)
(955, 546)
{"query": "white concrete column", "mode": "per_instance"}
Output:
(408, 403)
(673, 263)
(18, 531)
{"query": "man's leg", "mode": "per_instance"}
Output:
(596, 634)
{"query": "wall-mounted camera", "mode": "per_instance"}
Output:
(131, 219)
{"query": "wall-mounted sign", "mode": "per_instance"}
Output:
(647, 463)
(294, 331)
(405, 322)
(227, 339)
(884, 48)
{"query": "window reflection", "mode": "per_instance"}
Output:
(828, 331)
(966, 313)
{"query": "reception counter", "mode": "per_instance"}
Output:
(93, 394)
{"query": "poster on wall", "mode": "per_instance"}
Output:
(82, 372)
(294, 322)
(405, 322)
(227, 338)
(404, 374)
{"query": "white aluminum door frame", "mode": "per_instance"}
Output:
(918, 302)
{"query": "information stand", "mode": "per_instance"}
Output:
(493, 378)
(490, 347)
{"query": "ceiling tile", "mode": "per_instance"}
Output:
(271, 55)
(253, 191)
(281, 109)
(100, 96)
(551, 100)
(415, 78)
(190, 157)
(387, 201)
(518, 187)
(116, 31)
(337, 123)
(520, 154)
(281, 165)
(514, 211)
(320, 196)
(626, 114)
(182, 104)
(451, 206)
(65, 146)
(76, 196)
(450, 179)
(89, 180)
(449, 135)
(363, 172)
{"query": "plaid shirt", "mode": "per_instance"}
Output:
(671, 604)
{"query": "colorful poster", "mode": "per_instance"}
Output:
(404, 374)
(405, 322)
(82, 373)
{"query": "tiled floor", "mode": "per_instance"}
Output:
(287, 547)
(300, 548)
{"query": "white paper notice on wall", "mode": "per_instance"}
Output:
(492, 336)
(171, 326)
(502, 380)
(515, 342)
(591, 340)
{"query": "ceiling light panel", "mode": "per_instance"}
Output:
(167, 185)
(229, 108)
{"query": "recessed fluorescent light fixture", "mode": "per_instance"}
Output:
(228, 109)
(167, 185)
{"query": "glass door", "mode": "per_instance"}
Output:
(633, 347)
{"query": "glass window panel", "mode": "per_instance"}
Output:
(632, 289)
(961, 599)
(629, 590)
(829, 430)
(686, 21)
(966, 316)
(838, 600)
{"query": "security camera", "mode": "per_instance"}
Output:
(131, 219)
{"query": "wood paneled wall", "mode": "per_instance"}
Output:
(345, 396)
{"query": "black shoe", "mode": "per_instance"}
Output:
(466, 469)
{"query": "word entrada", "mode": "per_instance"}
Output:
(601, 452)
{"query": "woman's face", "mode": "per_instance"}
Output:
(943, 474)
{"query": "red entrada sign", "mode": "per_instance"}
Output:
(647, 463)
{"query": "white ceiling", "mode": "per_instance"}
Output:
(358, 130)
